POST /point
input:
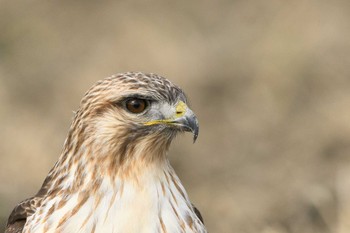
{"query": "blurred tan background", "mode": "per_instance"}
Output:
(269, 81)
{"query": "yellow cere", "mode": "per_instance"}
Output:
(180, 111)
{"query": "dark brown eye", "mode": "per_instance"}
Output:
(136, 105)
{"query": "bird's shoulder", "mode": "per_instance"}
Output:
(26, 208)
(19, 214)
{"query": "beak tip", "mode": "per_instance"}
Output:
(195, 134)
(194, 127)
(195, 138)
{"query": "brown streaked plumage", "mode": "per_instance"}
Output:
(113, 174)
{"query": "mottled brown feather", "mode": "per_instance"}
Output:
(93, 106)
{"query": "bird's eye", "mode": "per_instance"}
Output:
(136, 105)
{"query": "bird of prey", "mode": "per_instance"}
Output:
(113, 174)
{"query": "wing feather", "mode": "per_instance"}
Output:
(26, 208)
(196, 211)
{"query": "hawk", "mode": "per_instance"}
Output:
(113, 174)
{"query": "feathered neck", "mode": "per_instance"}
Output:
(88, 159)
(93, 185)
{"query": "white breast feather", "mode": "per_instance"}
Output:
(135, 209)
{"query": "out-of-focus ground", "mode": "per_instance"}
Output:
(268, 80)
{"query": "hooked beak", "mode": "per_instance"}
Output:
(188, 122)
(183, 119)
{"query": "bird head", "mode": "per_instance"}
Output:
(131, 112)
